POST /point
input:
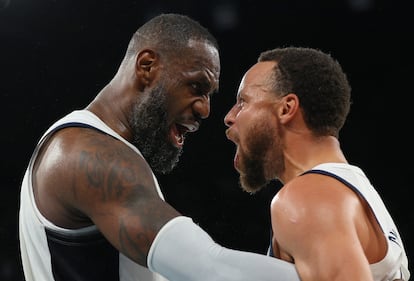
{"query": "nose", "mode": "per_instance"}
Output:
(202, 107)
(229, 118)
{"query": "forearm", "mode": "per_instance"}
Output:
(182, 251)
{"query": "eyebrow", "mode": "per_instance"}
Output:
(207, 84)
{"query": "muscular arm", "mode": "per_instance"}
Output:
(84, 177)
(314, 220)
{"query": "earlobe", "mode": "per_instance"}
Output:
(146, 67)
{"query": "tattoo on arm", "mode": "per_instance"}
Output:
(132, 247)
(116, 177)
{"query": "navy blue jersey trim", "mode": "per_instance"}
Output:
(74, 238)
(329, 174)
(85, 255)
(76, 124)
(82, 258)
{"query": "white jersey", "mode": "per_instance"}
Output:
(395, 263)
(52, 253)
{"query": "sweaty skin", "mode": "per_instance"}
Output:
(83, 177)
(318, 223)
(91, 206)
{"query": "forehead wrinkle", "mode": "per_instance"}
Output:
(202, 57)
(255, 89)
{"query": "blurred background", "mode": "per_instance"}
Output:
(56, 55)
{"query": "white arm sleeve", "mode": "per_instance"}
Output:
(182, 251)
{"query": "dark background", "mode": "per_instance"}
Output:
(55, 55)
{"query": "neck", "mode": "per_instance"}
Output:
(116, 117)
(307, 154)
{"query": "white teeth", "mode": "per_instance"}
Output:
(191, 127)
(180, 139)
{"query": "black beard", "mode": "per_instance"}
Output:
(253, 177)
(151, 132)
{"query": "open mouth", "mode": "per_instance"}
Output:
(236, 160)
(180, 130)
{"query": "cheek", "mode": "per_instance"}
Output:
(179, 103)
(173, 106)
(255, 124)
(261, 132)
(260, 138)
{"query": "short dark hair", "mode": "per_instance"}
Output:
(319, 82)
(170, 33)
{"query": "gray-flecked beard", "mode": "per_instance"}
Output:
(151, 132)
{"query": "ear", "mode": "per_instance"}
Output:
(146, 67)
(289, 108)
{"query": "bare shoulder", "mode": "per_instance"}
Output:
(309, 211)
(314, 189)
(85, 177)
(316, 200)
(80, 170)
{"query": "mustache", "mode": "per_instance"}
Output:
(227, 132)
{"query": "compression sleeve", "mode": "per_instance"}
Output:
(183, 251)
